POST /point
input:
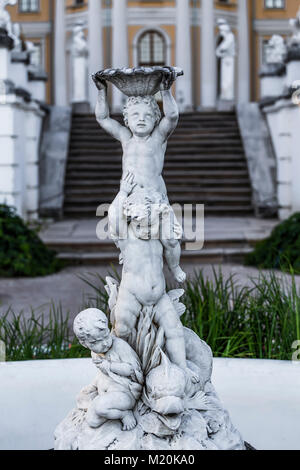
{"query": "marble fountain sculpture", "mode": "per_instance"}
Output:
(153, 389)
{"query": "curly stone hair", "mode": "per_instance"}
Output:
(88, 321)
(149, 100)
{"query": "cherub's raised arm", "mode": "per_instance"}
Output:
(171, 115)
(111, 126)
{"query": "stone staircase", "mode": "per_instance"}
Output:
(205, 164)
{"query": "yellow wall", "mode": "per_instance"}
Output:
(290, 11)
(256, 11)
(151, 4)
(42, 15)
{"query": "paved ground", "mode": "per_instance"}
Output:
(66, 287)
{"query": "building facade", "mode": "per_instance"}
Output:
(127, 33)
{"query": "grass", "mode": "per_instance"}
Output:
(258, 321)
(39, 336)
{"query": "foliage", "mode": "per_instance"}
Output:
(259, 321)
(281, 250)
(22, 253)
(39, 336)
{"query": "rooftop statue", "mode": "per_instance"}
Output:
(5, 21)
(276, 50)
(79, 42)
(16, 35)
(227, 47)
(226, 52)
(295, 24)
(153, 390)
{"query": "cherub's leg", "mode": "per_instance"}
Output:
(115, 219)
(112, 406)
(167, 317)
(126, 313)
(171, 235)
(172, 252)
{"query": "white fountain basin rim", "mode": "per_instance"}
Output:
(262, 397)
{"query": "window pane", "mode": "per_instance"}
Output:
(29, 5)
(152, 49)
(36, 55)
(145, 50)
(158, 49)
(275, 4)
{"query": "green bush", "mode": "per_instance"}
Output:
(22, 253)
(281, 250)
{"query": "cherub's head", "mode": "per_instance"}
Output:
(141, 115)
(143, 211)
(91, 329)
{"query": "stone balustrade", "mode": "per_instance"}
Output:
(22, 97)
(283, 117)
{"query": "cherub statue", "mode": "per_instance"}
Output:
(5, 21)
(144, 141)
(295, 24)
(276, 50)
(143, 282)
(118, 386)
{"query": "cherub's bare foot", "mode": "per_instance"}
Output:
(129, 421)
(179, 275)
(195, 379)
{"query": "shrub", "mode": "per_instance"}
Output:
(281, 250)
(22, 253)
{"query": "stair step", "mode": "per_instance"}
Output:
(242, 184)
(172, 189)
(168, 174)
(73, 158)
(215, 255)
(228, 211)
(205, 163)
(168, 165)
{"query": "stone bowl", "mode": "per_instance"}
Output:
(139, 81)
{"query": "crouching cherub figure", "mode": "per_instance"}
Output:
(119, 383)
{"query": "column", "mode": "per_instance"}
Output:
(243, 52)
(95, 40)
(119, 45)
(208, 56)
(183, 55)
(60, 73)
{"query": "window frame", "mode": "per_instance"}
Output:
(266, 7)
(26, 12)
(151, 32)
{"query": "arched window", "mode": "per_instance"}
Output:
(151, 49)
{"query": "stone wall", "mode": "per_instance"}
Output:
(22, 94)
